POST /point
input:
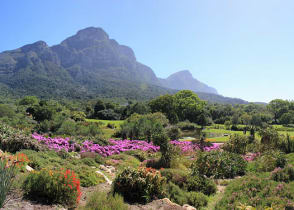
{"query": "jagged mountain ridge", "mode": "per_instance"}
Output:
(183, 80)
(88, 64)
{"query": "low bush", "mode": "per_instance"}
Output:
(268, 161)
(173, 132)
(140, 155)
(12, 140)
(283, 175)
(103, 201)
(236, 144)
(181, 197)
(139, 185)
(200, 183)
(257, 191)
(89, 161)
(219, 164)
(197, 199)
(47, 186)
(90, 178)
(187, 126)
(177, 176)
(176, 194)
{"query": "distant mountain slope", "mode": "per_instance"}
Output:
(87, 65)
(183, 80)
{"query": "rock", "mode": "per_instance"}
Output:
(188, 207)
(28, 168)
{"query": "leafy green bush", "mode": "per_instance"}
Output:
(99, 159)
(283, 175)
(103, 201)
(236, 144)
(47, 186)
(181, 197)
(268, 161)
(139, 185)
(176, 194)
(90, 178)
(177, 176)
(197, 199)
(202, 184)
(257, 191)
(140, 155)
(187, 126)
(12, 140)
(89, 161)
(219, 164)
(287, 145)
(174, 132)
(6, 179)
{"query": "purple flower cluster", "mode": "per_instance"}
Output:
(56, 143)
(117, 146)
(251, 156)
(188, 146)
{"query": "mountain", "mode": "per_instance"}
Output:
(87, 65)
(183, 80)
(84, 65)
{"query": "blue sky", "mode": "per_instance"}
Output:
(243, 48)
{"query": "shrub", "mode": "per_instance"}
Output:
(12, 140)
(177, 176)
(197, 199)
(103, 201)
(187, 126)
(257, 191)
(287, 144)
(181, 197)
(218, 164)
(140, 155)
(174, 132)
(176, 194)
(139, 185)
(99, 159)
(6, 179)
(48, 186)
(283, 175)
(201, 184)
(268, 161)
(89, 161)
(90, 178)
(237, 144)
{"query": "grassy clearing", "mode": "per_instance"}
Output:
(107, 132)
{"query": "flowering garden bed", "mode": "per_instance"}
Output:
(116, 147)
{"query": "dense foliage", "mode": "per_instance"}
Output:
(139, 185)
(259, 192)
(218, 164)
(58, 186)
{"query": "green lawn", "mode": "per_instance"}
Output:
(105, 122)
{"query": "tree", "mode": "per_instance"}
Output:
(99, 106)
(278, 107)
(29, 100)
(6, 111)
(166, 105)
(188, 105)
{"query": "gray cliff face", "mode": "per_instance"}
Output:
(183, 80)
